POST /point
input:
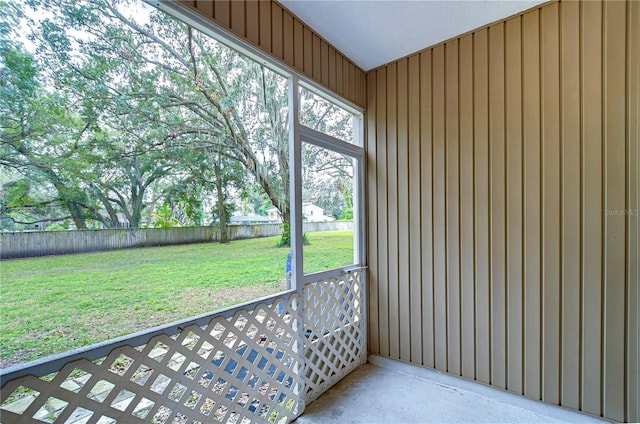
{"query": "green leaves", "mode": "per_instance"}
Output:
(164, 218)
(117, 105)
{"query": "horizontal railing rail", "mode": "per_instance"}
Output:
(332, 273)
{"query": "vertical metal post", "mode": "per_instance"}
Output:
(295, 185)
(295, 208)
(359, 227)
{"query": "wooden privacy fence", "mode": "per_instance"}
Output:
(44, 243)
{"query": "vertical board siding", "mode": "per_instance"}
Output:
(264, 15)
(392, 208)
(497, 221)
(633, 193)
(467, 239)
(222, 10)
(614, 103)
(403, 213)
(252, 21)
(570, 165)
(415, 261)
(531, 209)
(272, 28)
(452, 207)
(382, 212)
(505, 174)
(550, 87)
(307, 67)
(426, 209)
(439, 210)
(316, 58)
(276, 31)
(592, 207)
(481, 204)
(332, 70)
(288, 42)
(513, 152)
(238, 18)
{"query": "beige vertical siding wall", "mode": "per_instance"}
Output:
(492, 161)
(272, 28)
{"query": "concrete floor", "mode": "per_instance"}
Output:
(387, 391)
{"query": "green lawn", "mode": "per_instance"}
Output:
(56, 303)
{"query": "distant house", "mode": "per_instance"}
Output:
(252, 218)
(274, 215)
(310, 213)
(313, 213)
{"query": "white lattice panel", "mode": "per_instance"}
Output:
(240, 369)
(334, 331)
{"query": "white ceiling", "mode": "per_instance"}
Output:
(374, 32)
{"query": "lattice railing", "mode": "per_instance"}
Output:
(335, 331)
(241, 366)
(239, 369)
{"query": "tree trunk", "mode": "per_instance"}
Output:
(113, 216)
(222, 214)
(74, 210)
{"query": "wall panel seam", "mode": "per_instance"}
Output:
(522, 209)
(541, 202)
(581, 203)
(561, 138)
(433, 235)
(473, 203)
(507, 184)
(459, 253)
(633, 409)
(445, 207)
(489, 212)
(419, 141)
(603, 222)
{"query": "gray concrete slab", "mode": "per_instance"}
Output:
(387, 391)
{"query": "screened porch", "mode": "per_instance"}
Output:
(496, 238)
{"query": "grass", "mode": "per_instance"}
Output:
(57, 303)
